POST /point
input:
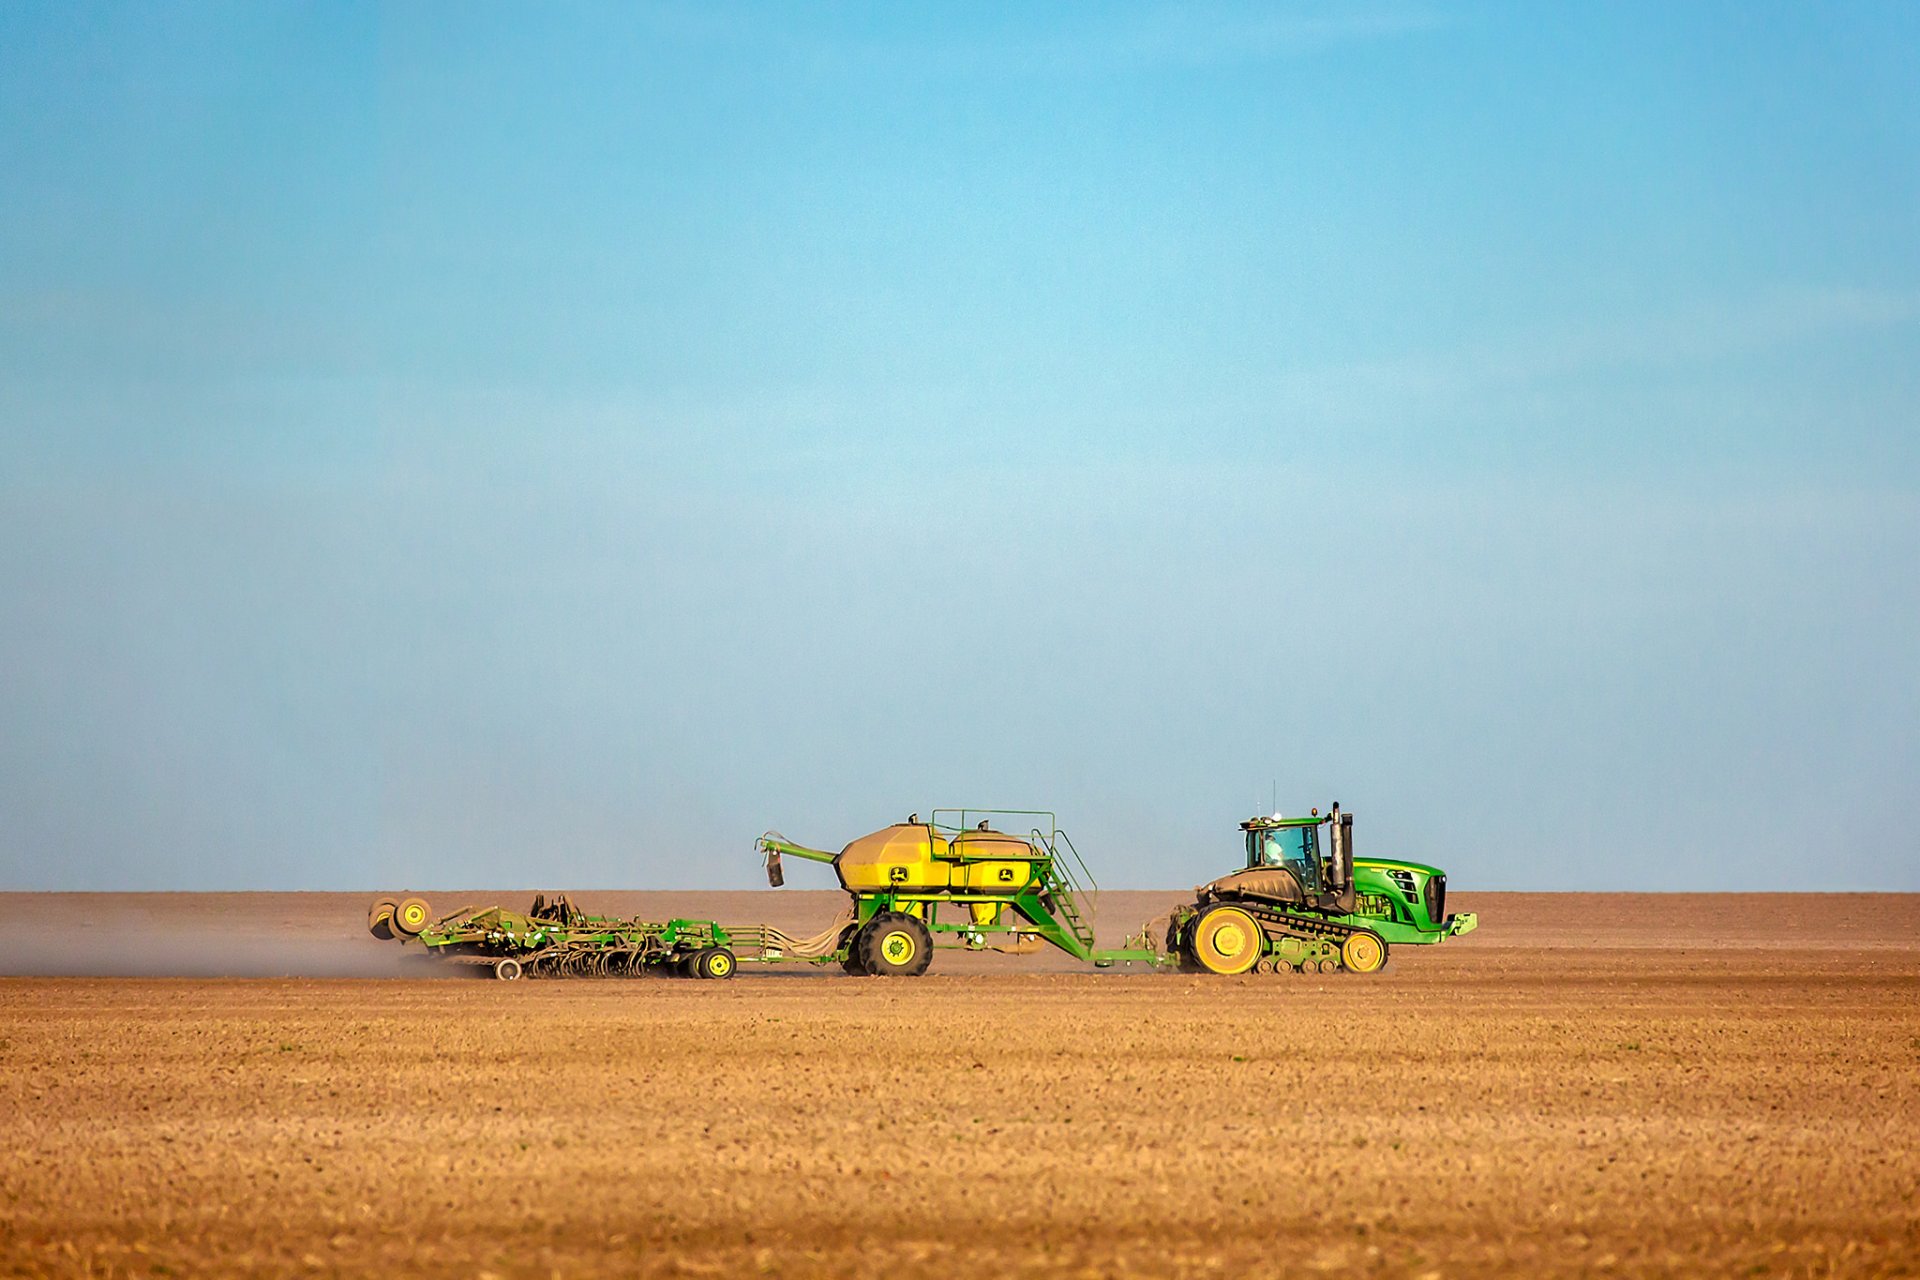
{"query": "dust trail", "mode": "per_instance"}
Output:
(236, 935)
(155, 954)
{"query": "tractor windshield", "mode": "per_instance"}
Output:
(1297, 849)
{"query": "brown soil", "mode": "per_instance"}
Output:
(1589, 1085)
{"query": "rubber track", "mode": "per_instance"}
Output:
(1282, 924)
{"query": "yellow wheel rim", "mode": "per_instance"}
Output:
(720, 966)
(898, 947)
(1362, 952)
(1228, 941)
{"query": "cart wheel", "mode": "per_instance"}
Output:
(714, 962)
(1363, 952)
(895, 945)
(507, 970)
(411, 916)
(851, 961)
(380, 919)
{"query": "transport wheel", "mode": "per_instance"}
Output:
(1363, 952)
(895, 945)
(507, 970)
(411, 916)
(1226, 940)
(380, 919)
(714, 962)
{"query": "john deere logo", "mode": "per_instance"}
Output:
(1006, 874)
(898, 875)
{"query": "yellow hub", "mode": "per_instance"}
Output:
(898, 947)
(720, 965)
(1227, 940)
(1363, 952)
(411, 916)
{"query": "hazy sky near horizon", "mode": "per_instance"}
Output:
(547, 445)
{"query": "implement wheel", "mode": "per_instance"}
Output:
(1363, 952)
(411, 916)
(895, 945)
(714, 962)
(380, 919)
(507, 970)
(1226, 940)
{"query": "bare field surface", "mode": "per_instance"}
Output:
(1591, 1085)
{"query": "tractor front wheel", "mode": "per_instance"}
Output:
(895, 945)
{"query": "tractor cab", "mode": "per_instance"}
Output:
(1293, 845)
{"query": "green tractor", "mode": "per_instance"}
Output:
(1309, 904)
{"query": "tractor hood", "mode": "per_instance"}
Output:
(1393, 864)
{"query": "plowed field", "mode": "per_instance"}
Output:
(1589, 1085)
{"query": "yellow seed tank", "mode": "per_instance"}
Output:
(915, 858)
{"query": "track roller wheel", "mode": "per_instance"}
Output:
(507, 970)
(1363, 952)
(713, 962)
(895, 945)
(411, 916)
(1226, 940)
(1329, 965)
(380, 919)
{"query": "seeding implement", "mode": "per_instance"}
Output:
(955, 881)
(557, 939)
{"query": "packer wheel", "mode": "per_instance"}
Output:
(1364, 952)
(507, 970)
(895, 945)
(380, 919)
(1226, 940)
(411, 916)
(713, 962)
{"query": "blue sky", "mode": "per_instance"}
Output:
(466, 444)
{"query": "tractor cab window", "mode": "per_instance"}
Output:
(1296, 849)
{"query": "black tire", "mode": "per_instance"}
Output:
(851, 961)
(507, 970)
(895, 945)
(713, 962)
